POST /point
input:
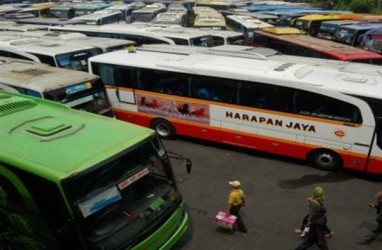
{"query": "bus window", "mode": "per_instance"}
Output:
(124, 77)
(215, 89)
(46, 59)
(163, 82)
(179, 41)
(311, 104)
(76, 61)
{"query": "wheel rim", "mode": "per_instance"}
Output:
(163, 130)
(326, 160)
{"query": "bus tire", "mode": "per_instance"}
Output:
(325, 159)
(163, 128)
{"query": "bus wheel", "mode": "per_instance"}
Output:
(325, 160)
(163, 128)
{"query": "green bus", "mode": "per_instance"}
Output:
(70, 179)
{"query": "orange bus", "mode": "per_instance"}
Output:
(291, 41)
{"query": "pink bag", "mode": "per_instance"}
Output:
(222, 220)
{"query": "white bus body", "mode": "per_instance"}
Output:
(54, 53)
(79, 90)
(102, 43)
(245, 24)
(144, 33)
(148, 13)
(127, 32)
(298, 110)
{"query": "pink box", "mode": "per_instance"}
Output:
(222, 220)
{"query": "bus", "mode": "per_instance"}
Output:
(100, 17)
(372, 40)
(311, 23)
(103, 44)
(350, 34)
(144, 33)
(283, 40)
(328, 28)
(226, 37)
(245, 24)
(62, 11)
(208, 18)
(128, 32)
(318, 113)
(148, 13)
(83, 181)
(171, 18)
(83, 8)
(54, 53)
(78, 90)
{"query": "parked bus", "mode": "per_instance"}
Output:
(311, 23)
(144, 33)
(128, 32)
(83, 8)
(100, 17)
(293, 109)
(281, 39)
(226, 37)
(208, 19)
(83, 181)
(245, 24)
(103, 44)
(171, 18)
(148, 13)
(328, 28)
(372, 40)
(126, 10)
(79, 90)
(350, 34)
(62, 11)
(54, 53)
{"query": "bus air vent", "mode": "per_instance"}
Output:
(357, 79)
(11, 104)
(48, 128)
(32, 71)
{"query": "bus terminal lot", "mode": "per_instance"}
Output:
(277, 190)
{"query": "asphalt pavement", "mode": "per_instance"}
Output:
(277, 189)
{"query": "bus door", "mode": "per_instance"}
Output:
(374, 163)
(20, 216)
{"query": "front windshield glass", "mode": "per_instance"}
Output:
(124, 199)
(59, 13)
(76, 60)
(344, 36)
(237, 40)
(202, 41)
(89, 96)
(302, 24)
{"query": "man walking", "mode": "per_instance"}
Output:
(236, 199)
(378, 230)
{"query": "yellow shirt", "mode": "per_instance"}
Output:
(236, 197)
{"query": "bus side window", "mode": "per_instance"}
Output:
(124, 77)
(9, 196)
(104, 71)
(46, 59)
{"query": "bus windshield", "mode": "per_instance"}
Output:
(89, 96)
(236, 40)
(344, 35)
(76, 60)
(125, 198)
(203, 41)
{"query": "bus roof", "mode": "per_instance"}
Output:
(71, 37)
(274, 71)
(112, 28)
(249, 22)
(35, 45)
(37, 76)
(21, 27)
(45, 128)
(283, 30)
(362, 26)
(337, 50)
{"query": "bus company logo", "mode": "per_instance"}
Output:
(339, 133)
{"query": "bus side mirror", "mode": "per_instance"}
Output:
(187, 162)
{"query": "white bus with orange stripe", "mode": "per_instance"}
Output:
(326, 115)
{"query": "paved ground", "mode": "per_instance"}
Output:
(276, 189)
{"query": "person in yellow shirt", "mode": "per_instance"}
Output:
(236, 200)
